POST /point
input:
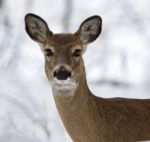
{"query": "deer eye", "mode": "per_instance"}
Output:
(48, 52)
(77, 53)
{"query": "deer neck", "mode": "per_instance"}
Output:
(73, 99)
(74, 108)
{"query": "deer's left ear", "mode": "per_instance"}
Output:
(90, 29)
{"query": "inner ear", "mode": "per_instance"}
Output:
(90, 29)
(37, 28)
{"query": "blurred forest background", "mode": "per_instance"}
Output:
(117, 64)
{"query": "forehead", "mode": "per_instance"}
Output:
(64, 40)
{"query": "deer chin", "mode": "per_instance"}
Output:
(65, 86)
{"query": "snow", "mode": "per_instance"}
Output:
(117, 64)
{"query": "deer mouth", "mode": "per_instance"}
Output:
(64, 85)
(62, 82)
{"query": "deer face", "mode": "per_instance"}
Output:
(63, 52)
(63, 61)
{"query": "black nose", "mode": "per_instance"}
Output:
(62, 74)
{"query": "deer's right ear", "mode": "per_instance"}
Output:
(37, 28)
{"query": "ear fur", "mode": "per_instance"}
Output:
(90, 29)
(37, 28)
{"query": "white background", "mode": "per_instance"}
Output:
(117, 63)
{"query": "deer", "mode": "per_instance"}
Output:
(86, 117)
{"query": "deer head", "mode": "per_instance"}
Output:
(63, 52)
(86, 117)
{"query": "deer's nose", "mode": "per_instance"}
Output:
(62, 74)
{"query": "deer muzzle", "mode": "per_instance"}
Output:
(62, 74)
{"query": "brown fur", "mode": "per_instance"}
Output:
(88, 118)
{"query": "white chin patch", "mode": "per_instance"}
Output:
(63, 85)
